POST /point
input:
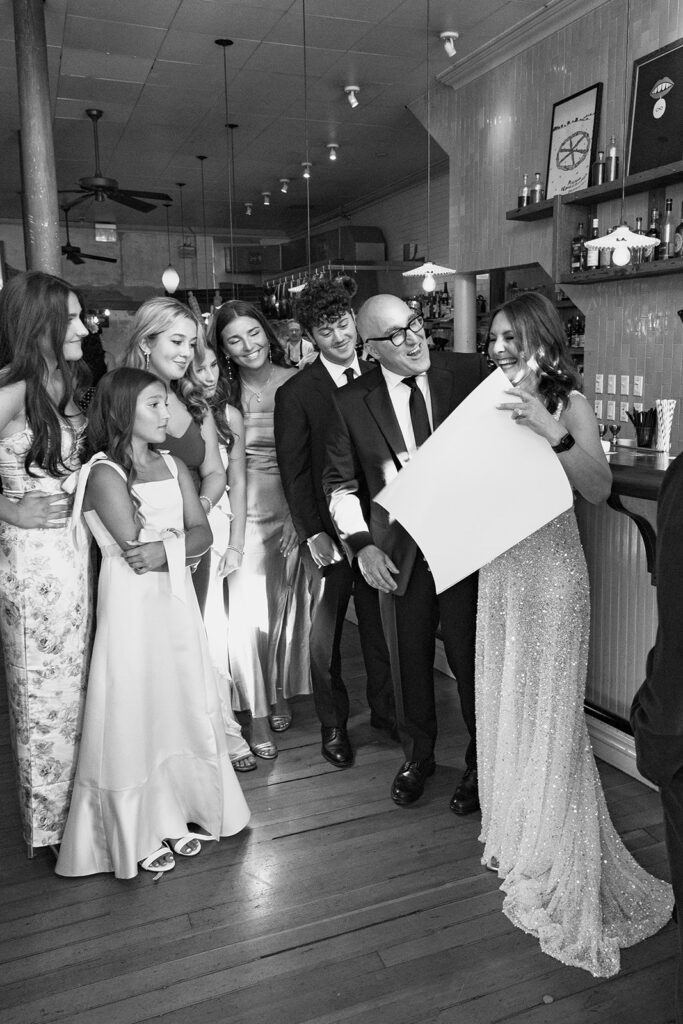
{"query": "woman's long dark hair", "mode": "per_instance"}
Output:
(111, 419)
(34, 307)
(537, 326)
(217, 403)
(154, 317)
(230, 371)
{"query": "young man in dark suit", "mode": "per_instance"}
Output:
(302, 408)
(382, 418)
(657, 712)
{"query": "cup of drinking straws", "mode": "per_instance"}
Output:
(645, 424)
(665, 414)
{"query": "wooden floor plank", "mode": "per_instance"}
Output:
(334, 906)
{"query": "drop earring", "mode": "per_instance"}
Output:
(229, 372)
(147, 360)
(270, 354)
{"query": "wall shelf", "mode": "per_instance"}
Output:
(657, 178)
(656, 269)
(534, 211)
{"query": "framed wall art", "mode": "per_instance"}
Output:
(573, 141)
(655, 135)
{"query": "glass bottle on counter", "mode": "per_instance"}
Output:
(537, 190)
(667, 231)
(445, 301)
(652, 253)
(593, 255)
(678, 237)
(578, 253)
(524, 197)
(612, 162)
(598, 169)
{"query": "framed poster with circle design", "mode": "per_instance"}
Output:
(573, 141)
(655, 135)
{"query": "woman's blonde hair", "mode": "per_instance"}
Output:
(153, 318)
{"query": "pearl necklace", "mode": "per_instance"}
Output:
(258, 394)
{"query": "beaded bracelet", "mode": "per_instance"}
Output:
(204, 497)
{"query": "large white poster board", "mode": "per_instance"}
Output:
(477, 486)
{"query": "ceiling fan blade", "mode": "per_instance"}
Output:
(100, 259)
(161, 196)
(135, 204)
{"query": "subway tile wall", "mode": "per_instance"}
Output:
(497, 127)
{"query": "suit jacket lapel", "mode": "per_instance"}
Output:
(440, 393)
(379, 404)
(322, 379)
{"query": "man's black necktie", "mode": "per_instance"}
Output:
(418, 411)
(350, 374)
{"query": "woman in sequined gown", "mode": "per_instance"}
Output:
(168, 339)
(269, 607)
(45, 583)
(568, 878)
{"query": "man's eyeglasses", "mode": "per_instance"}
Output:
(398, 337)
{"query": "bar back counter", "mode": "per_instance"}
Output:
(619, 538)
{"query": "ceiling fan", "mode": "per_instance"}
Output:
(101, 188)
(73, 252)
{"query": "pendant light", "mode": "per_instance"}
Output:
(181, 186)
(169, 279)
(429, 271)
(622, 240)
(225, 43)
(307, 162)
(206, 246)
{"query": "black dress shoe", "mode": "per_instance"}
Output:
(336, 747)
(466, 796)
(409, 784)
(387, 725)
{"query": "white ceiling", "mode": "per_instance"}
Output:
(154, 69)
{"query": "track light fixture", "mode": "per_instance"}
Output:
(284, 185)
(266, 198)
(248, 207)
(306, 164)
(448, 39)
(351, 94)
(333, 147)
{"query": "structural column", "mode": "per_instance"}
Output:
(40, 202)
(465, 313)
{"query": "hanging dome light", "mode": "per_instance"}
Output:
(266, 198)
(306, 164)
(333, 147)
(621, 241)
(248, 207)
(284, 185)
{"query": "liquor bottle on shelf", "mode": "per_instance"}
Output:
(537, 190)
(606, 256)
(612, 162)
(636, 253)
(578, 250)
(678, 238)
(598, 169)
(593, 255)
(445, 301)
(524, 197)
(667, 231)
(652, 253)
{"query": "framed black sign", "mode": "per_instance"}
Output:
(655, 135)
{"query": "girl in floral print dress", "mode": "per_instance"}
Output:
(45, 617)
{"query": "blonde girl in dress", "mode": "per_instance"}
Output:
(154, 776)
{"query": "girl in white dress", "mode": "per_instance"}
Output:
(154, 776)
(568, 878)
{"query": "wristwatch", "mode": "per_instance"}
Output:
(564, 444)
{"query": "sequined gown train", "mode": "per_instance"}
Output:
(568, 878)
(269, 605)
(45, 622)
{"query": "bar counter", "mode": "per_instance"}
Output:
(619, 540)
